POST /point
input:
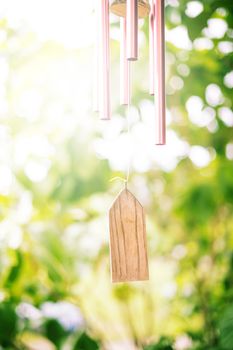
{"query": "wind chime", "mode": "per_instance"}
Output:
(126, 217)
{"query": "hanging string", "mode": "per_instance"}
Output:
(128, 166)
(127, 174)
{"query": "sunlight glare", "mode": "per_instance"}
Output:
(194, 8)
(67, 22)
(200, 156)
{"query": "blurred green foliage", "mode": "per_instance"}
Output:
(55, 289)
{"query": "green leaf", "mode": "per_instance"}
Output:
(198, 204)
(224, 177)
(84, 342)
(8, 324)
(226, 329)
(163, 344)
(15, 270)
(55, 332)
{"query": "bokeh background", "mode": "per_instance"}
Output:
(57, 160)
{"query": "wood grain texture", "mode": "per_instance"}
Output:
(128, 239)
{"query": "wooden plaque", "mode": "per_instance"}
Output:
(128, 239)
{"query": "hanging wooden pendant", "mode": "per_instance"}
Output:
(128, 239)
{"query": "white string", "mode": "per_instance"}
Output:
(128, 167)
(127, 173)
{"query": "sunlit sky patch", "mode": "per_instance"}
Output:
(203, 44)
(213, 95)
(216, 29)
(194, 8)
(229, 151)
(200, 156)
(226, 115)
(228, 80)
(179, 37)
(10, 233)
(6, 179)
(198, 114)
(225, 47)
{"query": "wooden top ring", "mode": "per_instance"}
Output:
(118, 7)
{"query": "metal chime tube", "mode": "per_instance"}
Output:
(124, 66)
(104, 62)
(151, 48)
(132, 29)
(96, 59)
(159, 59)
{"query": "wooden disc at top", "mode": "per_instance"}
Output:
(118, 7)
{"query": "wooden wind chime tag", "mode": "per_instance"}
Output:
(128, 239)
